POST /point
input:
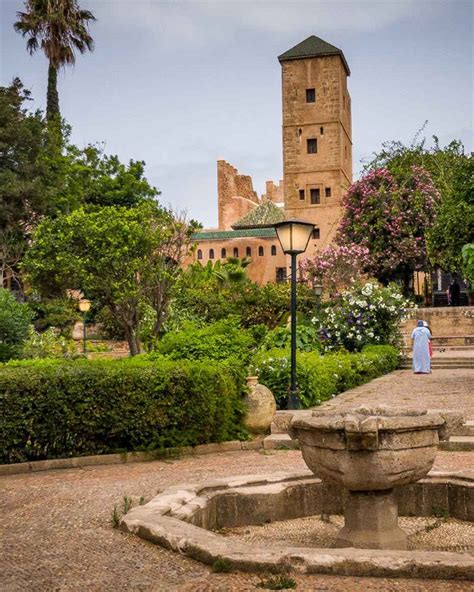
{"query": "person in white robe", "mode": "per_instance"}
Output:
(421, 349)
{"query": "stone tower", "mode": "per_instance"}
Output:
(317, 136)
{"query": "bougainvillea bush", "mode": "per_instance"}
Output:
(367, 313)
(336, 267)
(390, 217)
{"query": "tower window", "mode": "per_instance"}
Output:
(260, 251)
(315, 196)
(312, 145)
(301, 193)
(223, 253)
(321, 131)
(211, 253)
(199, 254)
(311, 95)
(248, 252)
(328, 192)
(236, 252)
(316, 234)
(274, 250)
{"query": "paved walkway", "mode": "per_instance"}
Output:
(442, 389)
(56, 534)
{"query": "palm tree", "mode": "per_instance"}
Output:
(59, 28)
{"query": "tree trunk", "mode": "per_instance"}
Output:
(52, 103)
(132, 339)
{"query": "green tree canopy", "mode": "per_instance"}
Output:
(124, 258)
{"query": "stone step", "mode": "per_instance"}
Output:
(467, 429)
(452, 363)
(458, 444)
(279, 442)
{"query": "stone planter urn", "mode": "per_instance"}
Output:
(261, 407)
(369, 452)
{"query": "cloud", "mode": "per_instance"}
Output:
(197, 23)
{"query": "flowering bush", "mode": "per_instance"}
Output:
(336, 267)
(368, 313)
(49, 344)
(391, 218)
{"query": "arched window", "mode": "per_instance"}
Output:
(236, 252)
(199, 254)
(211, 253)
(223, 253)
(248, 252)
(260, 251)
(274, 250)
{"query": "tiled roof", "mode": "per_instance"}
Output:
(313, 47)
(266, 214)
(224, 234)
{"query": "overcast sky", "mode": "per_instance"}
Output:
(180, 84)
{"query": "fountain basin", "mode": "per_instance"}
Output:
(369, 451)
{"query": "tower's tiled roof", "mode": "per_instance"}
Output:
(266, 214)
(313, 47)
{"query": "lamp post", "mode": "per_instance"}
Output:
(84, 307)
(294, 236)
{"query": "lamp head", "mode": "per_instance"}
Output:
(294, 235)
(84, 305)
(318, 289)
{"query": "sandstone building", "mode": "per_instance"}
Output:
(317, 167)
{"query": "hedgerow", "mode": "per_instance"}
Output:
(52, 408)
(321, 377)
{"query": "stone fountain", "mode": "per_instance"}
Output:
(369, 452)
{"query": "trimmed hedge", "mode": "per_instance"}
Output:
(321, 377)
(53, 409)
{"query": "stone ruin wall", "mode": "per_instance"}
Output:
(235, 194)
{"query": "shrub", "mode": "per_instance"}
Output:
(52, 408)
(15, 319)
(48, 345)
(307, 338)
(60, 313)
(218, 341)
(321, 377)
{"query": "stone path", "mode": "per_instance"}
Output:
(55, 530)
(55, 526)
(442, 389)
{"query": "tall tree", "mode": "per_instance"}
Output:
(59, 28)
(123, 258)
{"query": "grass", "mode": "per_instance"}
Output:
(222, 565)
(278, 583)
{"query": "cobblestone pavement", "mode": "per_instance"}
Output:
(56, 533)
(442, 389)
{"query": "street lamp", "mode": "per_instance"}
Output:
(294, 237)
(84, 307)
(318, 291)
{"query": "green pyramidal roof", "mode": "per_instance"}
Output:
(266, 214)
(313, 47)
